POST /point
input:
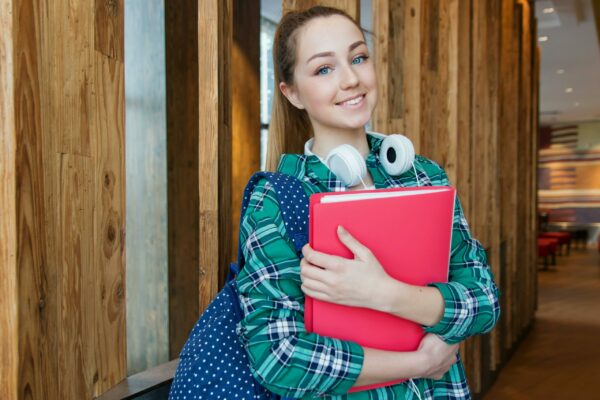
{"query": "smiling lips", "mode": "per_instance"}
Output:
(352, 101)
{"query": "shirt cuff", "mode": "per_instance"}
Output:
(447, 326)
(355, 364)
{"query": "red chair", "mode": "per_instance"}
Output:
(547, 248)
(564, 239)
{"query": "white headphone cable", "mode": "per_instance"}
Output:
(414, 388)
(416, 175)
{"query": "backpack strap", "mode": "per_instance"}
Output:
(293, 201)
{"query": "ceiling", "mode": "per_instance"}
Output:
(572, 48)
(570, 59)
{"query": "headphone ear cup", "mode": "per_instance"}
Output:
(397, 154)
(347, 164)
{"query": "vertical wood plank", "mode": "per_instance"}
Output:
(508, 143)
(412, 74)
(181, 30)
(397, 32)
(108, 130)
(461, 55)
(36, 263)
(520, 233)
(380, 120)
(486, 218)
(245, 86)
(9, 340)
(76, 285)
(214, 26)
(526, 134)
(535, 153)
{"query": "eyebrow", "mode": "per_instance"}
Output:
(330, 53)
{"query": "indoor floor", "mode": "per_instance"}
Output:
(560, 357)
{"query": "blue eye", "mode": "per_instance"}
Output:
(323, 71)
(359, 60)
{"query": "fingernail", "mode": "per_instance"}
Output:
(341, 229)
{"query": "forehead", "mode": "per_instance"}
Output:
(333, 33)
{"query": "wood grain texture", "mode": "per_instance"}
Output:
(181, 30)
(508, 143)
(37, 279)
(352, 7)
(68, 119)
(214, 26)
(245, 87)
(9, 338)
(397, 32)
(108, 28)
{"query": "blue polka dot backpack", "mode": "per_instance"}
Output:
(213, 363)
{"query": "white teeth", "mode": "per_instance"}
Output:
(353, 101)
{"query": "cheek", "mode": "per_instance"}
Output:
(369, 77)
(317, 93)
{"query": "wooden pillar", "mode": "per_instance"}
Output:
(214, 27)
(64, 215)
(352, 7)
(181, 30)
(525, 269)
(245, 87)
(508, 173)
(485, 221)
(9, 295)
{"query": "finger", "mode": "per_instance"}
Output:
(323, 260)
(314, 294)
(309, 271)
(306, 248)
(357, 248)
(316, 286)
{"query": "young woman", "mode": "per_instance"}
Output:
(328, 90)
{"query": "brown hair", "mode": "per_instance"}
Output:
(290, 127)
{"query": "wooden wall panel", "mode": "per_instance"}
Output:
(9, 339)
(471, 66)
(181, 31)
(245, 87)
(214, 180)
(68, 115)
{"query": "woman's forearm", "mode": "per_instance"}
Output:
(421, 304)
(381, 366)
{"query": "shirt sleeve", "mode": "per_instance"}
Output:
(283, 357)
(471, 296)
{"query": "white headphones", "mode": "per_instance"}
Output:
(396, 154)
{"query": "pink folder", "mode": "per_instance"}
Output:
(409, 231)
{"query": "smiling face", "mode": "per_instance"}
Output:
(334, 78)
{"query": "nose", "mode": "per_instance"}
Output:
(349, 77)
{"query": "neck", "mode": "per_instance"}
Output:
(327, 140)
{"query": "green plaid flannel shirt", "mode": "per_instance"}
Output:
(293, 363)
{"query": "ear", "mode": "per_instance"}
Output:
(290, 93)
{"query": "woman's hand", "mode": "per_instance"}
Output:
(342, 281)
(439, 356)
